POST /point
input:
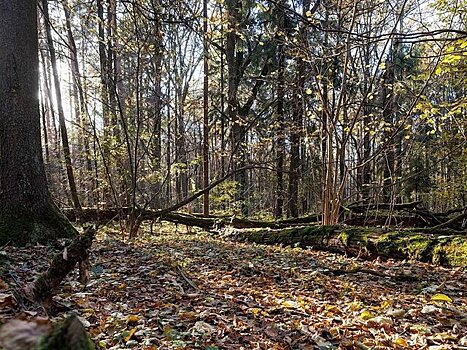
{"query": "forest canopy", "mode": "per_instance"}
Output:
(325, 103)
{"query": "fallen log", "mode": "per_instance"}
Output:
(385, 220)
(363, 242)
(362, 208)
(208, 223)
(370, 214)
(60, 266)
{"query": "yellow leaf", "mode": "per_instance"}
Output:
(401, 342)
(255, 310)
(441, 297)
(290, 304)
(308, 91)
(334, 331)
(132, 319)
(384, 304)
(366, 315)
(308, 13)
(130, 334)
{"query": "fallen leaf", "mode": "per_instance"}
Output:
(429, 309)
(130, 334)
(7, 300)
(132, 319)
(401, 342)
(290, 304)
(441, 297)
(366, 315)
(380, 322)
(396, 313)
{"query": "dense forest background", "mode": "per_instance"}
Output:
(311, 106)
(318, 147)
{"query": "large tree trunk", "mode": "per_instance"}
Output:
(27, 212)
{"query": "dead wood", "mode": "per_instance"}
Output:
(456, 221)
(61, 265)
(367, 243)
(207, 223)
(362, 208)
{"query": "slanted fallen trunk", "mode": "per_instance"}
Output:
(364, 242)
(61, 265)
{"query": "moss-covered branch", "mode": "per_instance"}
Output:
(62, 264)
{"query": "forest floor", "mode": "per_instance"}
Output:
(195, 291)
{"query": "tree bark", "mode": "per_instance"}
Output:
(61, 265)
(234, 58)
(27, 213)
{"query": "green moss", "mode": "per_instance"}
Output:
(310, 235)
(67, 335)
(19, 226)
(405, 244)
(447, 251)
(354, 234)
(419, 247)
(451, 251)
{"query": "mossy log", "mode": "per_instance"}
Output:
(68, 334)
(61, 265)
(364, 242)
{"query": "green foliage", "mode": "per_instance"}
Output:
(224, 193)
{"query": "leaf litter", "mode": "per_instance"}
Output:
(196, 291)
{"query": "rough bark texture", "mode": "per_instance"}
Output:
(26, 212)
(62, 264)
(364, 242)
